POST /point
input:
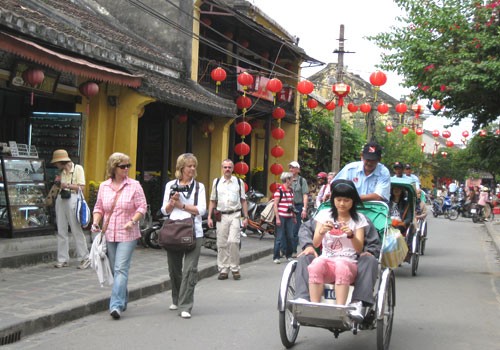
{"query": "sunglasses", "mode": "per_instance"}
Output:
(124, 166)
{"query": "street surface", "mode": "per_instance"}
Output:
(453, 303)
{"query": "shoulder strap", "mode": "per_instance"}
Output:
(281, 194)
(105, 226)
(216, 192)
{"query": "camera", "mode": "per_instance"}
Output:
(65, 194)
(291, 209)
(178, 188)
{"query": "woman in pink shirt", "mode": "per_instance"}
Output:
(120, 205)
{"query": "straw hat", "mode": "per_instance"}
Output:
(60, 155)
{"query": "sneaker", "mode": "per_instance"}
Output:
(236, 275)
(222, 276)
(243, 234)
(115, 313)
(277, 261)
(61, 264)
(185, 314)
(84, 264)
(356, 314)
(172, 307)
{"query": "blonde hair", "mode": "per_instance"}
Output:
(183, 161)
(113, 160)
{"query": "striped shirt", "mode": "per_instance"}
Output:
(132, 200)
(285, 202)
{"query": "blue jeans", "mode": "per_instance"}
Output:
(296, 227)
(120, 256)
(283, 238)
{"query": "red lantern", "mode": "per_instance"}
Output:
(245, 79)
(483, 133)
(365, 107)
(278, 134)
(401, 108)
(279, 113)
(312, 103)
(276, 169)
(246, 187)
(446, 134)
(352, 107)
(437, 105)
(330, 105)
(378, 78)
(404, 130)
(497, 132)
(241, 168)
(243, 102)
(182, 118)
(277, 151)
(449, 143)
(305, 87)
(417, 109)
(435, 133)
(419, 131)
(465, 133)
(389, 128)
(89, 89)
(218, 74)
(242, 149)
(383, 108)
(243, 128)
(33, 77)
(274, 85)
(341, 90)
(274, 187)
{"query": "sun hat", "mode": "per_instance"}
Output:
(60, 155)
(294, 164)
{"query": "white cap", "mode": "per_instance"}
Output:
(294, 164)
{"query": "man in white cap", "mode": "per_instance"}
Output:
(300, 200)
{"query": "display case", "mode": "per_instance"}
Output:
(23, 190)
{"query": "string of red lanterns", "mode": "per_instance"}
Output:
(219, 75)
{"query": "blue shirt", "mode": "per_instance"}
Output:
(414, 178)
(379, 181)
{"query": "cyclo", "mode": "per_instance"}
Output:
(295, 313)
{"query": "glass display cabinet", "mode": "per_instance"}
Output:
(23, 190)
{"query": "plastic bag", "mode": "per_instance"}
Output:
(394, 249)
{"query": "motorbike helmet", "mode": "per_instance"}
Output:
(485, 189)
(322, 175)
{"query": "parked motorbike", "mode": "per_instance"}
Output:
(256, 224)
(480, 214)
(446, 209)
(463, 209)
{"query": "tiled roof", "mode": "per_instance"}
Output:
(81, 30)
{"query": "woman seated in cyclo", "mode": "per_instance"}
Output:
(340, 231)
(399, 207)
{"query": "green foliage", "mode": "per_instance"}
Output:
(482, 153)
(449, 51)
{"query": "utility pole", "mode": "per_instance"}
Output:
(337, 134)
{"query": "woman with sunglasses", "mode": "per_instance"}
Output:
(120, 205)
(184, 197)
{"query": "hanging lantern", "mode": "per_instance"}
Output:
(276, 169)
(330, 105)
(274, 187)
(446, 134)
(383, 108)
(245, 79)
(401, 108)
(419, 131)
(417, 109)
(88, 90)
(305, 87)
(219, 75)
(242, 149)
(352, 107)
(278, 134)
(182, 118)
(312, 103)
(243, 128)
(243, 102)
(277, 151)
(422, 146)
(449, 143)
(279, 113)
(404, 130)
(465, 133)
(389, 128)
(365, 107)
(241, 168)
(207, 127)
(444, 154)
(378, 78)
(341, 90)
(435, 133)
(483, 133)
(437, 105)
(33, 77)
(274, 85)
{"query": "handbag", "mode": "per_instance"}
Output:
(179, 235)
(216, 215)
(394, 249)
(82, 210)
(51, 196)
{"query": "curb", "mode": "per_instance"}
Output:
(15, 332)
(495, 237)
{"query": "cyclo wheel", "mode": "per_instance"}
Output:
(288, 325)
(423, 238)
(452, 214)
(386, 308)
(415, 257)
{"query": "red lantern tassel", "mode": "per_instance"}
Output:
(32, 98)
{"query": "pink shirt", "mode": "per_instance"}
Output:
(483, 198)
(132, 200)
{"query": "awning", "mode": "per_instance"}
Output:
(64, 63)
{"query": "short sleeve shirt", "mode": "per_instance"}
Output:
(76, 175)
(228, 193)
(299, 187)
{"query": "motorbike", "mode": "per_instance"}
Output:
(479, 214)
(463, 209)
(256, 224)
(446, 209)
